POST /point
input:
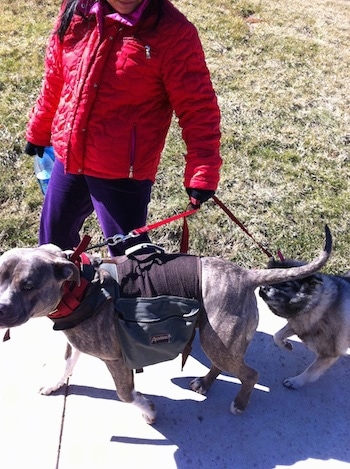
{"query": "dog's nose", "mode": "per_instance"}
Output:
(2, 318)
(8, 317)
(4, 310)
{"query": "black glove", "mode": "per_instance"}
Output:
(32, 149)
(198, 196)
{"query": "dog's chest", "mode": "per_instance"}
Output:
(156, 274)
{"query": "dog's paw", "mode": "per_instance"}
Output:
(150, 419)
(197, 386)
(287, 345)
(235, 410)
(284, 344)
(146, 406)
(292, 383)
(47, 390)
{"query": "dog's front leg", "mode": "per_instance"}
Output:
(71, 358)
(124, 382)
(202, 385)
(311, 374)
(281, 336)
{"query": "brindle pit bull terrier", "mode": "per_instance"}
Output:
(32, 283)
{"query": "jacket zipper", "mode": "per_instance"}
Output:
(148, 52)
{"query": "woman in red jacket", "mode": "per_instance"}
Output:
(115, 71)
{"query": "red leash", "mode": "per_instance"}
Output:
(185, 231)
(146, 228)
(233, 218)
(113, 240)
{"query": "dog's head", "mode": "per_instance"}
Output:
(31, 282)
(289, 299)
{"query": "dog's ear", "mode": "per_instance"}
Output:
(66, 270)
(285, 264)
(273, 264)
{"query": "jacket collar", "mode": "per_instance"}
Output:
(100, 9)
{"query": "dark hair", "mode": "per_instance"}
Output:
(66, 17)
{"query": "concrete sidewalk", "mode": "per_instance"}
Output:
(84, 426)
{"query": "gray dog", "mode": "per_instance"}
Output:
(32, 281)
(317, 310)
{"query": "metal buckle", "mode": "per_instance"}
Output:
(119, 238)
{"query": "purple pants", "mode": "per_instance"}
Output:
(120, 206)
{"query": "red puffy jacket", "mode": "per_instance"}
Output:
(109, 92)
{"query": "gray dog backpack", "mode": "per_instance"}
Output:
(153, 330)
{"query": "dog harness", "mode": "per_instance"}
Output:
(144, 275)
(159, 273)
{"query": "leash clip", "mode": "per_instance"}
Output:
(116, 239)
(119, 238)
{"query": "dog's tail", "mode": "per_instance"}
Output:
(277, 275)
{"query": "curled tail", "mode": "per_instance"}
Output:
(261, 277)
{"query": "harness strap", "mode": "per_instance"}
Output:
(96, 297)
(82, 246)
(71, 300)
(185, 237)
(188, 349)
(6, 336)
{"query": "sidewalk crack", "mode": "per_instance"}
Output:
(62, 425)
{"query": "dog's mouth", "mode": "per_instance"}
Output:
(263, 294)
(273, 296)
(11, 322)
(12, 315)
(280, 304)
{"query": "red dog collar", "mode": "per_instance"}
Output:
(73, 293)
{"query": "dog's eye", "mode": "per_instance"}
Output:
(27, 285)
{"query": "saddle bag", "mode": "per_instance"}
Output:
(154, 330)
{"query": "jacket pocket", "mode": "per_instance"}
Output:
(136, 52)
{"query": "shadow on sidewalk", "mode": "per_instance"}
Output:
(280, 426)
